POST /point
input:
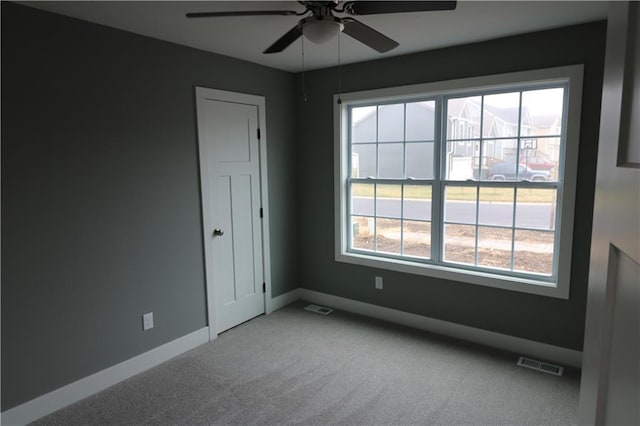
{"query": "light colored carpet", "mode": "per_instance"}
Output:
(296, 366)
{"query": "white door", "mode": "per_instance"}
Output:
(610, 387)
(228, 130)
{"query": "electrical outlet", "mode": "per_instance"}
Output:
(147, 321)
(378, 283)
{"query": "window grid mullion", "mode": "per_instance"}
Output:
(481, 138)
(475, 256)
(515, 189)
(377, 143)
(519, 136)
(401, 220)
(560, 176)
(404, 174)
(404, 141)
(424, 182)
(437, 206)
(375, 185)
(513, 226)
(496, 138)
(350, 235)
(375, 217)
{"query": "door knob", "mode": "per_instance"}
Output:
(218, 232)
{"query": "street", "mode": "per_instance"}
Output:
(529, 215)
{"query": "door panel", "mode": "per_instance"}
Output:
(624, 364)
(229, 145)
(230, 122)
(223, 247)
(243, 238)
(610, 389)
(629, 152)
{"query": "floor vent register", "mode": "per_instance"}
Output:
(540, 366)
(318, 309)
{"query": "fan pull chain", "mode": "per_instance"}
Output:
(339, 72)
(304, 85)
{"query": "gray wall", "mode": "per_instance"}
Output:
(101, 216)
(553, 321)
(100, 192)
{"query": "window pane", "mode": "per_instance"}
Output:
(460, 204)
(363, 124)
(541, 156)
(503, 164)
(362, 233)
(462, 160)
(420, 121)
(389, 200)
(388, 233)
(420, 160)
(494, 247)
(541, 170)
(463, 118)
(542, 112)
(496, 206)
(362, 199)
(498, 159)
(536, 208)
(459, 243)
(363, 160)
(500, 115)
(391, 160)
(416, 238)
(417, 202)
(391, 123)
(533, 252)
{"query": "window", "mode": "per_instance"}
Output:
(469, 180)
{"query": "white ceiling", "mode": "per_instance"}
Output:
(246, 37)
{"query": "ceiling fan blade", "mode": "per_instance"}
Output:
(283, 42)
(367, 35)
(377, 7)
(241, 13)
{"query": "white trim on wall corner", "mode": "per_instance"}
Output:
(517, 345)
(283, 300)
(73, 392)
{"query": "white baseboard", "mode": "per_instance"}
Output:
(283, 300)
(489, 338)
(73, 392)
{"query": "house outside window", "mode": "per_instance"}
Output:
(470, 180)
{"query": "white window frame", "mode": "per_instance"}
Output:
(571, 75)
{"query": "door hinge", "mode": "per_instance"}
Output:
(258, 133)
(261, 214)
(264, 287)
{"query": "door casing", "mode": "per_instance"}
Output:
(203, 93)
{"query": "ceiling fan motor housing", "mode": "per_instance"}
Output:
(320, 29)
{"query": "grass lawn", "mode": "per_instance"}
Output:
(455, 193)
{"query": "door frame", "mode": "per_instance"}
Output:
(202, 94)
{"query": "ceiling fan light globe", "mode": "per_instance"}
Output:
(322, 30)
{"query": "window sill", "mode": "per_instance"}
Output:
(523, 285)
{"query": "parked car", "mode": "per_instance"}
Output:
(507, 171)
(537, 163)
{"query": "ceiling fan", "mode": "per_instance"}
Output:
(320, 24)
